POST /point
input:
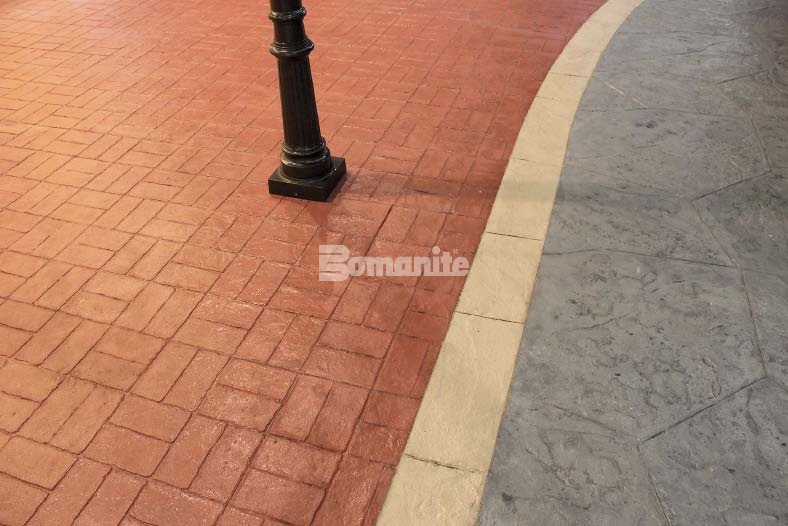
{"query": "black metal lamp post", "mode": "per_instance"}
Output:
(307, 169)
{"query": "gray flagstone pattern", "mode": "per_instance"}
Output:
(651, 386)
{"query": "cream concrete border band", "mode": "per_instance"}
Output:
(441, 475)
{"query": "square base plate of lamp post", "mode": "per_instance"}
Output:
(318, 189)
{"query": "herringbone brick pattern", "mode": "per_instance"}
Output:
(167, 354)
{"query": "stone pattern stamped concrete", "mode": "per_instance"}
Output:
(167, 354)
(650, 388)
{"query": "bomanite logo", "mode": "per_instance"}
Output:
(336, 264)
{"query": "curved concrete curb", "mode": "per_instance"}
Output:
(440, 477)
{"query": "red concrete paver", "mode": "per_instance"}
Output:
(111, 501)
(127, 450)
(290, 501)
(33, 462)
(70, 496)
(167, 354)
(18, 500)
(226, 463)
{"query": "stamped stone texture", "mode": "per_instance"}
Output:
(589, 215)
(635, 343)
(750, 220)
(732, 7)
(554, 467)
(690, 135)
(666, 376)
(693, 57)
(662, 17)
(774, 132)
(727, 464)
(654, 171)
(761, 94)
(769, 300)
(630, 90)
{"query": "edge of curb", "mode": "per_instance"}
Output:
(441, 474)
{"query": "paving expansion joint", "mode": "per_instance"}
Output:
(440, 478)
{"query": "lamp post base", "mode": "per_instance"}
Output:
(318, 189)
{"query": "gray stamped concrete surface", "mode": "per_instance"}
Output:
(651, 383)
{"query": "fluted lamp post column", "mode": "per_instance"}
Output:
(307, 170)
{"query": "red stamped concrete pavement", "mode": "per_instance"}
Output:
(167, 354)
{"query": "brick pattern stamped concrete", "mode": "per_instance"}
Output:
(651, 383)
(167, 354)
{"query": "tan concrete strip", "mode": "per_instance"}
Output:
(500, 291)
(428, 493)
(466, 388)
(440, 478)
(525, 199)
